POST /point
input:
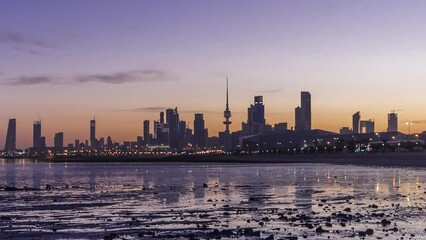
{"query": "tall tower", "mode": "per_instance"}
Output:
(93, 133)
(37, 135)
(227, 114)
(10, 145)
(146, 137)
(392, 122)
(256, 116)
(356, 118)
(200, 132)
(305, 106)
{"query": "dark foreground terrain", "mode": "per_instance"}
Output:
(40, 200)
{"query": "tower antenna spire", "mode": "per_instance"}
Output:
(227, 115)
(227, 95)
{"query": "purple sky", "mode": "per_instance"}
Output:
(124, 60)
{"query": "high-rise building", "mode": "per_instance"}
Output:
(366, 126)
(392, 122)
(356, 118)
(10, 145)
(161, 117)
(37, 135)
(146, 137)
(77, 144)
(93, 133)
(298, 119)
(43, 143)
(305, 106)
(227, 138)
(182, 135)
(200, 133)
(256, 116)
(172, 121)
(58, 141)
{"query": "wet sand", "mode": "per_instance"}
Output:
(40, 200)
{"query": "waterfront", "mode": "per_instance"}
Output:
(198, 200)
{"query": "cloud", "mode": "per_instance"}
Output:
(126, 77)
(22, 81)
(19, 39)
(271, 90)
(148, 109)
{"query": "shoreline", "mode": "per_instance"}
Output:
(399, 159)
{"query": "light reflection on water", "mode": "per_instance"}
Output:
(127, 198)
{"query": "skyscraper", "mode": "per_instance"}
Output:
(58, 141)
(356, 118)
(392, 122)
(298, 119)
(256, 116)
(200, 133)
(37, 135)
(172, 121)
(306, 111)
(146, 137)
(227, 114)
(10, 145)
(93, 133)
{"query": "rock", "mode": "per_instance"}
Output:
(320, 230)
(309, 226)
(5, 218)
(369, 231)
(385, 222)
(205, 185)
(271, 237)
(248, 232)
(327, 224)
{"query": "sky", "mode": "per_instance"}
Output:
(122, 62)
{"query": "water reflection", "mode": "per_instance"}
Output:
(141, 188)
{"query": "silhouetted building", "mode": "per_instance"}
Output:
(392, 122)
(77, 144)
(43, 145)
(227, 139)
(256, 116)
(356, 118)
(37, 135)
(102, 141)
(161, 117)
(172, 121)
(366, 126)
(146, 137)
(161, 131)
(200, 133)
(58, 141)
(182, 135)
(93, 140)
(298, 119)
(303, 118)
(345, 130)
(306, 117)
(280, 126)
(109, 144)
(10, 144)
(139, 142)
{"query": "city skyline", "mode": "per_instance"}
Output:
(60, 60)
(169, 130)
